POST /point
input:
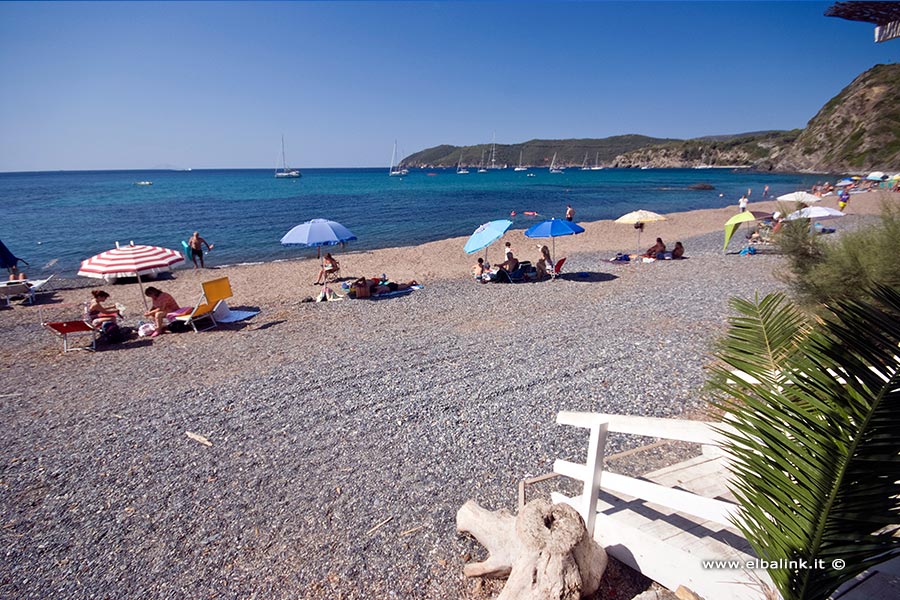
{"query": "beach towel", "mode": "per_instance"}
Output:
(223, 314)
(397, 293)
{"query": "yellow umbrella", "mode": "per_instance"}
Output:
(734, 222)
(638, 218)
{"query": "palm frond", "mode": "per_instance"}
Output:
(816, 447)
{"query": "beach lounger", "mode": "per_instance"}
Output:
(11, 289)
(214, 291)
(664, 523)
(75, 327)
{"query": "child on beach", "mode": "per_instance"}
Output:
(508, 250)
(478, 270)
(570, 212)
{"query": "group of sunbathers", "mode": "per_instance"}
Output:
(512, 269)
(163, 304)
(658, 251)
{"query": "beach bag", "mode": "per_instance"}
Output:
(111, 333)
(146, 329)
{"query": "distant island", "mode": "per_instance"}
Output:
(857, 130)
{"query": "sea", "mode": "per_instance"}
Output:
(54, 220)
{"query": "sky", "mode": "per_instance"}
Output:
(111, 85)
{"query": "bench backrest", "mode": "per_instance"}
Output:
(216, 289)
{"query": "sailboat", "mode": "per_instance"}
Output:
(398, 172)
(481, 168)
(493, 153)
(460, 170)
(553, 167)
(520, 167)
(285, 172)
(597, 166)
(584, 166)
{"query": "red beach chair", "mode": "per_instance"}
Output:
(557, 268)
(66, 328)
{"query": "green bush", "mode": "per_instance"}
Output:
(822, 271)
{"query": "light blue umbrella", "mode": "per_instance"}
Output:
(318, 232)
(553, 229)
(486, 235)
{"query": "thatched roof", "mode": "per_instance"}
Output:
(886, 15)
(879, 13)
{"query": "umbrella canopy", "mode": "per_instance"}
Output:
(130, 261)
(802, 197)
(8, 260)
(817, 213)
(876, 176)
(844, 183)
(734, 222)
(318, 232)
(486, 235)
(553, 229)
(639, 217)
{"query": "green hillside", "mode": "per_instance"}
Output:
(535, 153)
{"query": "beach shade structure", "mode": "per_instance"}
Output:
(486, 235)
(801, 197)
(815, 213)
(844, 183)
(638, 218)
(553, 229)
(8, 260)
(732, 224)
(876, 176)
(317, 233)
(130, 261)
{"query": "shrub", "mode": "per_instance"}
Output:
(824, 271)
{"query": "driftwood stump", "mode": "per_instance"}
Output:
(546, 551)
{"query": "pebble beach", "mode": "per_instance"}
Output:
(332, 443)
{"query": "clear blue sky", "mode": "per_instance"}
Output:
(140, 85)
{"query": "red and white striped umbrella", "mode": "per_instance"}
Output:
(130, 261)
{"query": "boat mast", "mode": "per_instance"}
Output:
(493, 161)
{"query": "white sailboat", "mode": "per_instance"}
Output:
(520, 167)
(597, 166)
(481, 168)
(285, 172)
(584, 166)
(493, 153)
(460, 170)
(398, 172)
(553, 168)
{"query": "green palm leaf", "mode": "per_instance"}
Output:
(816, 441)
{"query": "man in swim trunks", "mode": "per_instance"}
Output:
(196, 245)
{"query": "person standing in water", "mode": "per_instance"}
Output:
(196, 245)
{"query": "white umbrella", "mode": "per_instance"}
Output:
(876, 176)
(815, 213)
(802, 197)
(130, 261)
(639, 217)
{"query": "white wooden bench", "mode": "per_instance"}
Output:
(666, 523)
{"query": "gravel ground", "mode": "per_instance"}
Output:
(344, 435)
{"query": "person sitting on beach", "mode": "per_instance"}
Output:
(678, 250)
(510, 264)
(196, 245)
(329, 265)
(99, 314)
(657, 248)
(544, 263)
(478, 270)
(163, 304)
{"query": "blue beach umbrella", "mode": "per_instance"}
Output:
(486, 235)
(318, 232)
(553, 229)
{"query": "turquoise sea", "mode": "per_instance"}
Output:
(54, 220)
